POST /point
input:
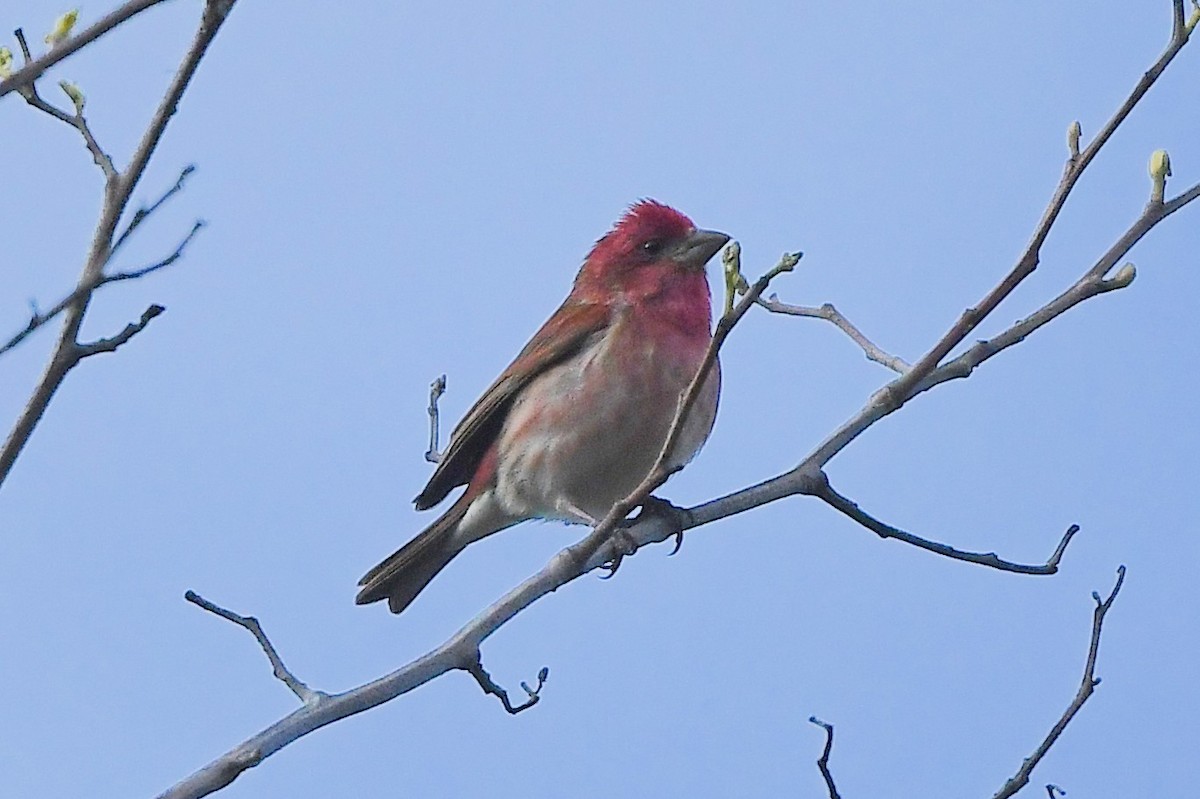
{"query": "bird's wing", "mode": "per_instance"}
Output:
(563, 334)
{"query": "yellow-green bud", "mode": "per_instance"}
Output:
(1160, 165)
(62, 27)
(1160, 170)
(1073, 134)
(76, 95)
(6, 60)
(1124, 276)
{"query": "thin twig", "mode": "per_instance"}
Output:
(33, 70)
(489, 686)
(143, 213)
(305, 694)
(821, 489)
(833, 315)
(1086, 687)
(904, 387)
(823, 760)
(110, 344)
(39, 318)
(175, 255)
(76, 120)
(436, 389)
(1091, 284)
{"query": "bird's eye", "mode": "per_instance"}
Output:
(652, 247)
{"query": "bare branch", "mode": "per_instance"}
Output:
(823, 760)
(831, 314)
(117, 192)
(111, 344)
(903, 388)
(76, 120)
(38, 318)
(175, 255)
(1091, 284)
(436, 389)
(33, 70)
(533, 695)
(305, 694)
(1086, 687)
(821, 489)
(141, 214)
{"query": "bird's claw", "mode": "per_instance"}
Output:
(624, 545)
(674, 515)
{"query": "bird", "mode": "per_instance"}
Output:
(579, 418)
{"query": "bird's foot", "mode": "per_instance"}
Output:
(623, 546)
(676, 517)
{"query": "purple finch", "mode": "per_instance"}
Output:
(577, 420)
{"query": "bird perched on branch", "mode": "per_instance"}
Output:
(576, 422)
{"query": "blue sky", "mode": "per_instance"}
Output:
(395, 191)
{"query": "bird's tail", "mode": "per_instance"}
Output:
(406, 572)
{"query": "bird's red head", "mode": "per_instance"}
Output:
(650, 237)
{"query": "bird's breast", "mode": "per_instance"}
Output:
(585, 432)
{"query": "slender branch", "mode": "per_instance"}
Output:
(1086, 687)
(533, 695)
(33, 70)
(436, 389)
(1092, 283)
(305, 694)
(111, 344)
(76, 120)
(821, 489)
(143, 213)
(903, 388)
(833, 315)
(116, 196)
(175, 255)
(38, 318)
(1053, 791)
(823, 760)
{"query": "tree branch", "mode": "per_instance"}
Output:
(821, 489)
(33, 70)
(38, 318)
(823, 760)
(833, 315)
(904, 388)
(1086, 687)
(117, 192)
(111, 344)
(76, 120)
(305, 694)
(436, 389)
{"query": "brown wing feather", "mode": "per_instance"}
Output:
(561, 336)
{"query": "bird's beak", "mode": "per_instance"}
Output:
(700, 245)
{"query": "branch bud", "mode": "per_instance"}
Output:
(1192, 21)
(1160, 170)
(77, 97)
(1073, 134)
(62, 27)
(1123, 277)
(6, 60)
(735, 283)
